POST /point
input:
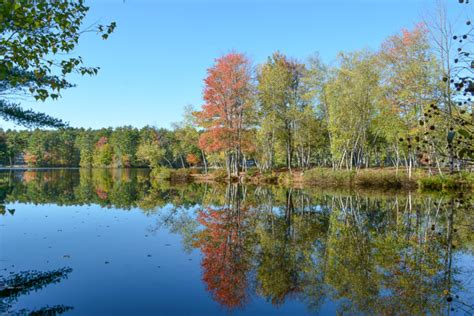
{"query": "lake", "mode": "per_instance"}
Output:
(113, 242)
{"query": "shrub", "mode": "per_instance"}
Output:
(161, 173)
(381, 179)
(327, 176)
(434, 183)
(461, 181)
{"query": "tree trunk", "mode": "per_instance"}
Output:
(204, 161)
(228, 165)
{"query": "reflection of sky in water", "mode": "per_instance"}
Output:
(168, 282)
(127, 260)
(465, 264)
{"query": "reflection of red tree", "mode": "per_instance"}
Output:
(101, 142)
(102, 194)
(29, 176)
(224, 264)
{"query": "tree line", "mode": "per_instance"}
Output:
(122, 147)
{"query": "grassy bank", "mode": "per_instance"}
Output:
(388, 179)
(457, 182)
(380, 179)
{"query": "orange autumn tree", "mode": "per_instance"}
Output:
(226, 114)
(30, 159)
(192, 159)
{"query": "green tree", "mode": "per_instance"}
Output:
(149, 150)
(280, 93)
(315, 120)
(124, 141)
(103, 153)
(410, 75)
(16, 144)
(3, 148)
(37, 38)
(187, 139)
(85, 142)
(353, 88)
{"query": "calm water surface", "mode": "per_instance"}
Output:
(108, 242)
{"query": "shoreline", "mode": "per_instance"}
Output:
(384, 179)
(380, 179)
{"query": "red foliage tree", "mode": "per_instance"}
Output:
(192, 159)
(101, 142)
(225, 114)
(30, 159)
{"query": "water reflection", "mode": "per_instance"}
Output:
(23, 283)
(368, 253)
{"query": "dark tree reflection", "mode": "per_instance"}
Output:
(24, 283)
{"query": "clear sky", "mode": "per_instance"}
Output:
(154, 63)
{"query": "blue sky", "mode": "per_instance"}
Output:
(155, 62)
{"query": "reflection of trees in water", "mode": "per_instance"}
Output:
(222, 242)
(367, 257)
(5, 189)
(272, 232)
(24, 283)
(372, 254)
(397, 263)
(119, 188)
(452, 207)
(287, 233)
